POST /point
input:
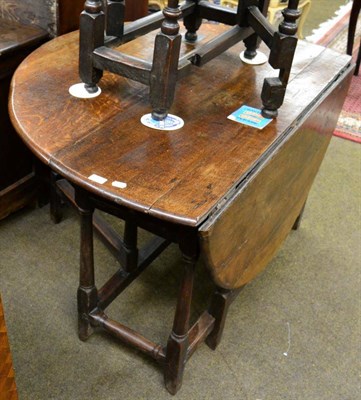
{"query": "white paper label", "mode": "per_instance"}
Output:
(120, 185)
(171, 123)
(78, 90)
(258, 59)
(98, 179)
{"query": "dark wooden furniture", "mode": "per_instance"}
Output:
(55, 16)
(248, 21)
(17, 183)
(58, 17)
(7, 377)
(136, 9)
(355, 11)
(223, 191)
(69, 13)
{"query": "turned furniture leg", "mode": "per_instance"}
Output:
(221, 300)
(178, 341)
(165, 62)
(87, 292)
(252, 42)
(91, 30)
(115, 18)
(282, 51)
(192, 23)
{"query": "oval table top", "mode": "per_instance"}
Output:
(180, 176)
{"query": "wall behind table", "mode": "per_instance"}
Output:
(58, 16)
(42, 13)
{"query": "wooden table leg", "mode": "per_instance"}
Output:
(221, 300)
(55, 199)
(178, 341)
(130, 245)
(87, 292)
(163, 76)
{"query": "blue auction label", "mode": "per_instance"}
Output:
(170, 123)
(250, 116)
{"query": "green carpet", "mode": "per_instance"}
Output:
(321, 11)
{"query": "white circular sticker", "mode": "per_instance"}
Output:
(78, 90)
(170, 123)
(258, 59)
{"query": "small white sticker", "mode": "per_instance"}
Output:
(258, 59)
(98, 179)
(78, 90)
(171, 123)
(120, 185)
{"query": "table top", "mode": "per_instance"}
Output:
(181, 176)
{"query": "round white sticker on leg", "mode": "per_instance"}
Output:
(79, 90)
(258, 59)
(170, 123)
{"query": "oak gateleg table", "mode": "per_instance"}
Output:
(221, 190)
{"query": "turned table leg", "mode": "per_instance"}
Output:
(164, 72)
(283, 49)
(91, 36)
(87, 292)
(178, 341)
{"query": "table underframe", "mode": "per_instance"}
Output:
(92, 302)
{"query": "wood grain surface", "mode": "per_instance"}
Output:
(261, 214)
(181, 176)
